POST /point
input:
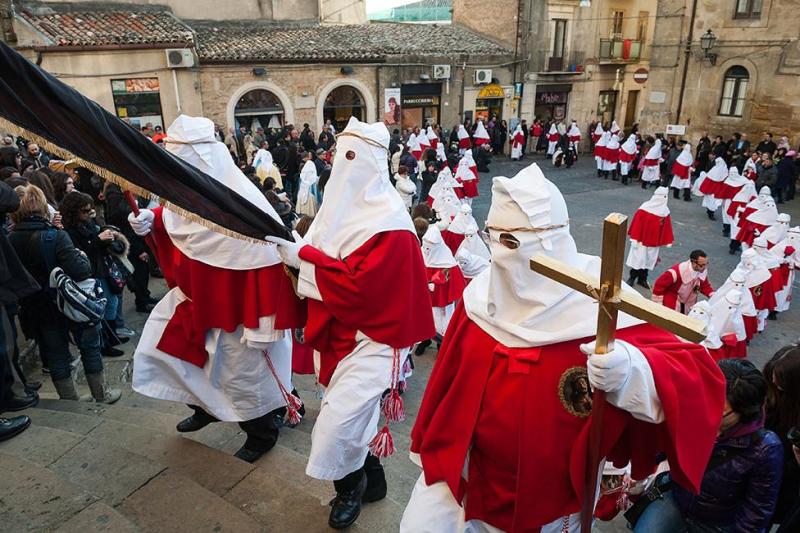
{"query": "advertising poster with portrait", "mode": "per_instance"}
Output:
(391, 106)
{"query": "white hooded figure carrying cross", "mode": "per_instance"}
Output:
(503, 433)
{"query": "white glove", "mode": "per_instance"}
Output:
(289, 251)
(142, 223)
(609, 371)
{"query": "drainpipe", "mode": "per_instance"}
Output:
(688, 54)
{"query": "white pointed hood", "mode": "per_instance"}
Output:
(480, 131)
(614, 127)
(719, 171)
(629, 146)
(434, 251)
(574, 131)
(463, 171)
(685, 158)
(613, 143)
(737, 281)
(598, 130)
(360, 201)
(431, 134)
(553, 129)
(747, 193)
(779, 230)
(735, 179)
(464, 222)
(657, 204)
(751, 263)
(470, 264)
(655, 151)
(192, 140)
(509, 301)
(263, 157)
(462, 132)
(423, 140)
(473, 243)
(767, 215)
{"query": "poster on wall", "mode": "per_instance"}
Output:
(391, 106)
(138, 101)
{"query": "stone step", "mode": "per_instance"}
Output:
(98, 517)
(35, 498)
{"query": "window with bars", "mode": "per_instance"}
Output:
(748, 9)
(734, 90)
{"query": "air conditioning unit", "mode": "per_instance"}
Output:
(179, 57)
(483, 76)
(441, 72)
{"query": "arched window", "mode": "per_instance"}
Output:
(734, 89)
(342, 103)
(258, 108)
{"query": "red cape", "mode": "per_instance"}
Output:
(680, 170)
(448, 285)
(452, 240)
(651, 230)
(219, 298)
(514, 413)
(380, 289)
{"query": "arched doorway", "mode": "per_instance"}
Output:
(342, 103)
(258, 108)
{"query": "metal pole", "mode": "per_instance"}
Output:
(688, 54)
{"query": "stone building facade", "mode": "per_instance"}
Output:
(147, 64)
(574, 62)
(750, 83)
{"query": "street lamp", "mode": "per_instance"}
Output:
(707, 42)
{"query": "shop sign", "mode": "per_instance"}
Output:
(492, 91)
(552, 98)
(420, 101)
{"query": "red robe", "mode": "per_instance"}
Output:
(764, 295)
(448, 285)
(668, 284)
(726, 192)
(710, 187)
(237, 297)
(525, 435)
(731, 348)
(379, 289)
(452, 240)
(651, 230)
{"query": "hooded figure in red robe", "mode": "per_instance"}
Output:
(650, 229)
(220, 340)
(362, 273)
(502, 432)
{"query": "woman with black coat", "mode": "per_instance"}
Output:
(97, 244)
(39, 316)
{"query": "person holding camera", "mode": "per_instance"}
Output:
(782, 373)
(740, 486)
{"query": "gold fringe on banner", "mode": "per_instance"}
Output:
(9, 127)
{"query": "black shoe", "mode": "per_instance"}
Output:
(346, 506)
(192, 423)
(151, 300)
(247, 455)
(421, 347)
(20, 403)
(108, 351)
(376, 480)
(115, 340)
(11, 427)
(710, 214)
(145, 308)
(32, 386)
(773, 315)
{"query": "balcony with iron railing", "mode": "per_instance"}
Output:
(619, 51)
(570, 63)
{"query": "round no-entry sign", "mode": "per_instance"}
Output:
(641, 75)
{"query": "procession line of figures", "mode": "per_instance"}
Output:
(502, 431)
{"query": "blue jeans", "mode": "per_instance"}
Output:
(113, 300)
(664, 516)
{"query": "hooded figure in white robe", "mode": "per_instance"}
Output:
(307, 193)
(238, 375)
(788, 252)
(651, 166)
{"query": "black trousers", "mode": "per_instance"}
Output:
(262, 432)
(6, 370)
(140, 278)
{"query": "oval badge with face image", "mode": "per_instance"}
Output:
(575, 392)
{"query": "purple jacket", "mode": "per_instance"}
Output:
(742, 492)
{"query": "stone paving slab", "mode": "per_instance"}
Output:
(106, 470)
(33, 498)
(80, 424)
(171, 502)
(41, 445)
(212, 469)
(98, 517)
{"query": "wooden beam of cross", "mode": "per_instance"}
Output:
(608, 292)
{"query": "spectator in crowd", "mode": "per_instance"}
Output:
(767, 174)
(429, 176)
(279, 201)
(37, 155)
(767, 145)
(15, 283)
(8, 152)
(408, 160)
(77, 210)
(405, 187)
(40, 318)
(786, 175)
(782, 373)
(741, 483)
(63, 184)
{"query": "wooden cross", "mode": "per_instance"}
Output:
(611, 299)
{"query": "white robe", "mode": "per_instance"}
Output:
(641, 256)
(235, 384)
